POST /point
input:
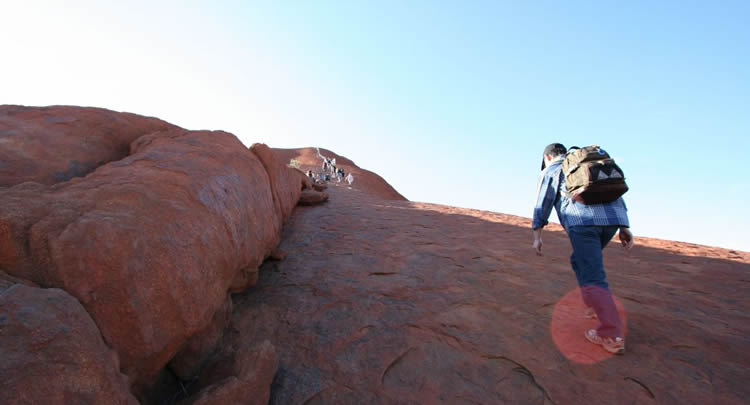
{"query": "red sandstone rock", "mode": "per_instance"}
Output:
(239, 377)
(6, 280)
(188, 362)
(307, 183)
(399, 302)
(311, 197)
(150, 244)
(319, 187)
(278, 254)
(286, 183)
(52, 353)
(53, 144)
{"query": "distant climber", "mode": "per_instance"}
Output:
(350, 179)
(340, 175)
(590, 228)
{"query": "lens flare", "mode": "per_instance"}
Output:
(569, 323)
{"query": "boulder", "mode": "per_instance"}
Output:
(311, 197)
(49, 145)
(319, 187)
(51, 352)
(151, 244)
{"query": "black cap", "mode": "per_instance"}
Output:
(553, 149)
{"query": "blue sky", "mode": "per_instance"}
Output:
(451, 102)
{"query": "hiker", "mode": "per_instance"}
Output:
(340, 175)
(310, 174)
(589, 227)
(325, 166)
(350, 179)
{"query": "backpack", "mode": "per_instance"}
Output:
(592, 176)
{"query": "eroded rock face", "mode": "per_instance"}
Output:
(286, 183)
(150, 244)
(6, 281)
(49, 145)
(188, 362)
(240, 376)
(51, 352)
(312, 197)
(319, 187)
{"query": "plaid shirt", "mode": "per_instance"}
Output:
(552, 192)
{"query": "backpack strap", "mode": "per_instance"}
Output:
(562, 192)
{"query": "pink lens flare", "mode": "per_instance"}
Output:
(568, 325)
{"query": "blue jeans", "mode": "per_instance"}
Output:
(588, 265)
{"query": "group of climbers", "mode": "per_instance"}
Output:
(330, 170)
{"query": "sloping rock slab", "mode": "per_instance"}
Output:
(409, 303)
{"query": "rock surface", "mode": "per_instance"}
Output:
(189, 361)
(51, 352)
(311, 197)
(286, 183)
(319, 187)
(150, 244)
(240, 376)
(397, 302)
(49, 145)
(6, 281)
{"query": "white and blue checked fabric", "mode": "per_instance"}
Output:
(551, 192)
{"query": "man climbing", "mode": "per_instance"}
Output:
(590, 227)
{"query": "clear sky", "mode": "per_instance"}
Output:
(451, 101)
